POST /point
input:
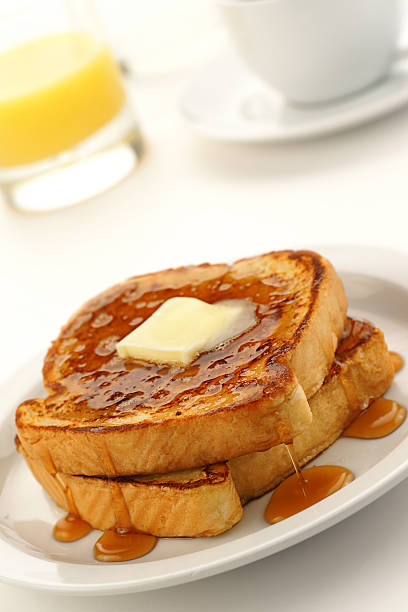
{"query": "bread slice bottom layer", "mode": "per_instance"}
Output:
(207, 501)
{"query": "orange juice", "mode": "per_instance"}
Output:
(54, 92)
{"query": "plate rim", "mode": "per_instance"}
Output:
(227, 556)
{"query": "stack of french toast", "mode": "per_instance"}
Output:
(177, 449)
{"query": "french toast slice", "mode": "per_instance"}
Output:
(206, 501)
(109, 416)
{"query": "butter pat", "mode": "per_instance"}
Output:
(184, 327)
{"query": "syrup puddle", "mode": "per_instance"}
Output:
(380, 419)
(116, 546)
(111, 546)
(71, 528)
(296, 494)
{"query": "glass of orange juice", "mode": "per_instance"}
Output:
(67, 131)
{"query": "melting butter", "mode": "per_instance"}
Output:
(183, 327)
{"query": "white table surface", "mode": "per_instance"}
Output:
(190, 201)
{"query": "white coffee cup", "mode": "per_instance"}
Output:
(315, 50)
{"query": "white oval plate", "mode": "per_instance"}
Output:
(225, 101)
(376, 283)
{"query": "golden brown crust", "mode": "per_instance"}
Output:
(106, 416)
(319, 338)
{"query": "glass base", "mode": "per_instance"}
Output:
(73, 176)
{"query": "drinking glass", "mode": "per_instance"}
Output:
(67, 131)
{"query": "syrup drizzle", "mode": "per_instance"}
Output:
(296, 494)
(296, 467)
(380, 419)
(70, 528)
(49, 466)
(120, 508)
(397, 360)
(294, 460)
(122, 543)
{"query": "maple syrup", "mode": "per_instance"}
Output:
(117, 546)
(397, 360)
(71, 528)
(295, 463)
(296, 494)
(294, 460)
(111, 388)
(91, 383)
(380, 419)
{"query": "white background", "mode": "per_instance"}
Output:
(193, 200)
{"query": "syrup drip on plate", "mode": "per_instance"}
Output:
(116, 546)
(299, 493)
(381, 418)
(397, 360)
(122, 543)
(71, 528)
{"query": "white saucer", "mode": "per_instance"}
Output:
(226, 102)
(376, 284)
